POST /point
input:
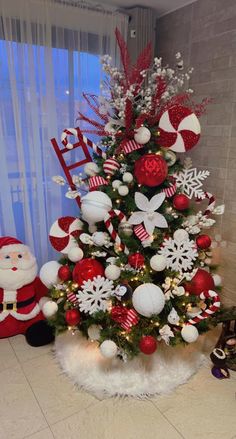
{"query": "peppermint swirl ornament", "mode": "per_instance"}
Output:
(63, 233)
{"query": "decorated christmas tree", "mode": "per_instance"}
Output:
(136, 268)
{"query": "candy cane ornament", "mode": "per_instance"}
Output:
(211, 202)
(77, 133)
(108, 223)
(210, 294)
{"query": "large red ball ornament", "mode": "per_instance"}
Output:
(64, 273)
(203, 241)
(86, 269)
(202, 281)
(148, 345)
(136, 260)
(72, 317)
(150, 170)
(181, 202)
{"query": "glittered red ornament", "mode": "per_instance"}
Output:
(136, 260)
(72, 317)
(64, 273)
(181, 202)
(150, 170)
(203, 241)
(148, 344)
(202, 281)
(87, 269)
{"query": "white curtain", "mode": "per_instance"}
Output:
(49, 55)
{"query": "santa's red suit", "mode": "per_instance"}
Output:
(21, 293)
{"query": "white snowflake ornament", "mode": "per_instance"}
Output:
(179, 255)
(190, 180)
(94, 294)
(147, 213)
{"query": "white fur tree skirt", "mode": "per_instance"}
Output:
(144, 376)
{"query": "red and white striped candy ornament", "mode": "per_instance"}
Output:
(110, 166)
(141, 232)
(179, 129)
(128, 146)
(208, 311)
(170, 191)
(211, 202)
(63, 233)
(125, 317)
(96, 181)
(72, 298)
(114, 234)
(77, 133)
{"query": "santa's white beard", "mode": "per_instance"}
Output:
(13, 280)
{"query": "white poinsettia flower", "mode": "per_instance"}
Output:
(147, 214)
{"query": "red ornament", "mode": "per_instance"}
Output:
(150, 170)
(87, 269)
(63, 233)
(148, 344)
(64, 273)
(136, 260)
(203, 241)
(126, 317)
(181, 202)
(202, 281)
(72, 317)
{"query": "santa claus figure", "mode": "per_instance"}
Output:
(21, 294)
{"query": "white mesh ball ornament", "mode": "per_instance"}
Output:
(63, 233)
(179, 129)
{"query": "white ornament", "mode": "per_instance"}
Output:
(94, 332)
(181, 235)
(180, 255)
(123, 190)
(173, 317)
(166, 333)
(75, 254)
(94, 294)
(94, 207)
(190, 182)
(142, 135)
(108, 349)
(217, 280)
(116, 183)
(100, 238)
(158, 262)
(112, 272)
(91, 169)
(49, 273)
(148, 299)
(49, 309)
(127, 177)
(147, 214)
(189, 333)
(59, 180)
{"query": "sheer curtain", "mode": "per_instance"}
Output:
(49, 55)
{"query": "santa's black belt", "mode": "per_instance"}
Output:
(13, 306)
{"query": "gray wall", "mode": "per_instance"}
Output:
(205, 33)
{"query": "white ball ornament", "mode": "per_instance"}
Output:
(91, 169)
(181, 235)
(189, 333)
(127, 177)
(217, 280)
(108, 349)
(49, 309)
(116, 183)
(94, 332)
(112, 272)
(148, 299)
(75, 254)
(123, 190)
(158, 262)
(49, 273)
(142, 135)
(99, 238)
(94, 207)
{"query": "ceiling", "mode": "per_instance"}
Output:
(162, 7)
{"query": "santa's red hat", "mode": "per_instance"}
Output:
(10, 244)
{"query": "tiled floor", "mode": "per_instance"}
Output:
(38, 402)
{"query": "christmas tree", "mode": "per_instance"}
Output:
(137, 268)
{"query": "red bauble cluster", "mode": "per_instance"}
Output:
(203, 242)
(202, 281)
(136, 260)
(64, 273)
(148, 344)
(181, 202)
(86, 269)
(150, 170)
(72, 317)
